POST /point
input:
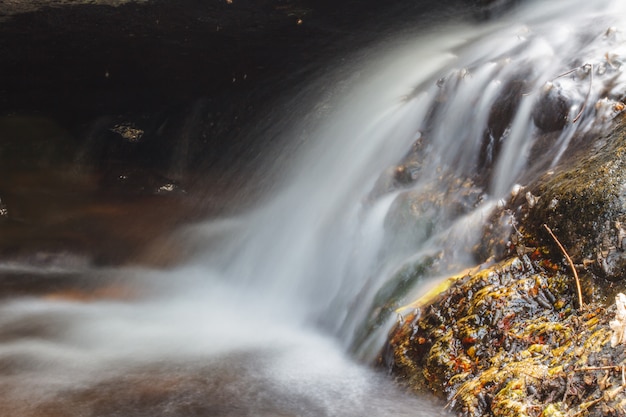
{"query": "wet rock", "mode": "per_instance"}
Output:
(128, 131)
(584, 201)
(509, 341)
(34, 141)
(388, 298)
(4, 211)
(512, 338)
(500, 118)
(488, 9)
(552, 109)
(417, 214)
(402, 175)
(178, 85)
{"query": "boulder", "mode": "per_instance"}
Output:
(511, 337)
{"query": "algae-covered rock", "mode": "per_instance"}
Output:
(514, 339)
(508, 341)
(584, 202)
(418, 214)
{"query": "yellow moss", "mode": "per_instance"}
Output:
(510, 400)
(471, 352)
(592, 322)
(459, 378)
(561, 350)
(553, 410)
(501, 343)
(442, 286)
(598, 339)
(557, 370)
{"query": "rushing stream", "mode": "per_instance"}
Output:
(272, 315)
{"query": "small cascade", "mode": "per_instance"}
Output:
(454, 121)
(388, 194)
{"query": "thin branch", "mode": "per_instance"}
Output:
(578, 289)
(598, 368)
(582, 107)
(587, 407)
(608, 396)
(565, 73)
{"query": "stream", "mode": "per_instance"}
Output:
(277, 311)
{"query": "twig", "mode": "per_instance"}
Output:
(608, 396)
(578, 289)
(565, 73)
(568, 385)
(582, 107)
(598, 368)
(587, 407)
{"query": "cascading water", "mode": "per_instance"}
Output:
(261, 324)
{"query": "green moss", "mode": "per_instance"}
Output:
(584, 202)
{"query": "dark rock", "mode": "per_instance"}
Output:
(552, 109)
(489, 9)
(500, 118)
(583, 201)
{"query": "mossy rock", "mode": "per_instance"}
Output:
(508, 341)
(584, 201)
(511, 338)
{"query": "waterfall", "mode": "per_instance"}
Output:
(276, 306)
(472, 98)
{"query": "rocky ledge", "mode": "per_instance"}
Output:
(535, 330)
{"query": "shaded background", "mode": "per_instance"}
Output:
(119, 123)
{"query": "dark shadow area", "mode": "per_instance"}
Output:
(129, 105)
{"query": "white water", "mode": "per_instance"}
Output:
(261, 324)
